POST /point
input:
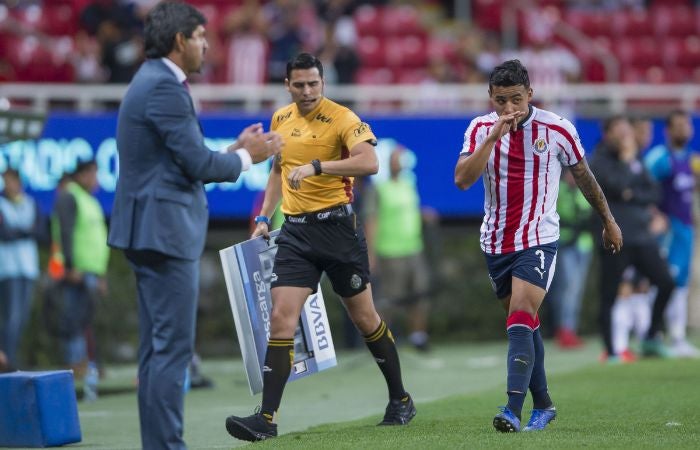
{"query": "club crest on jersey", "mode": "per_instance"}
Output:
(540, 146)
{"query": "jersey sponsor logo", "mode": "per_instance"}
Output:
(323, 118)
(283, 117)
(296, 132)
(323, 215)
(293, 219)
(361, 129)
(540, 146)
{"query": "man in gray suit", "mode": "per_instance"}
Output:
(160, 211)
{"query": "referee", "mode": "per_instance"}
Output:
(326, 145)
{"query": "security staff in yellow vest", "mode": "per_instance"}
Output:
(325, 146)
(79, 227)
(395, 235)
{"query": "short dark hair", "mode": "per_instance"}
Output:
(611, 121)
(509, 73)
(83, 166)
(304, 61)
(164, 22)
(673, 114)
(11, 172)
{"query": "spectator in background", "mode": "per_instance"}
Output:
(395, 240)
(284, 36)
(631, 314)
(632, 194)
(117, 28)
(247, 44)
(573, 261)
(338, 52)
(20, 228)
(670, 165)
(643, 133)
(79, 225)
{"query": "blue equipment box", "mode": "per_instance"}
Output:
(38, 409)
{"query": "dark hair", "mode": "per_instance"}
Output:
(612, 121)
(83, 166)
(509, 73)
(304, 61)
(164, 22)
(673, 114)
(12, 173)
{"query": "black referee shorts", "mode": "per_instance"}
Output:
(335, 245)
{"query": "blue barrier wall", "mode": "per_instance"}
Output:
(434, 144)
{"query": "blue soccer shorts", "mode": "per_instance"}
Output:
(535, 265)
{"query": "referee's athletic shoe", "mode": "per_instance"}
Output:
(253, 428)
(506, 421)
(399, 412)
(540, 418)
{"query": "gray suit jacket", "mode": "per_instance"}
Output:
(163, 164)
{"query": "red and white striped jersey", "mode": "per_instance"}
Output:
(521, 179)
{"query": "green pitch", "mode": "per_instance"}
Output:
(456, 388)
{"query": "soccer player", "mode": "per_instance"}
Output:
(670, 165)
(520, 150)
(326, 145)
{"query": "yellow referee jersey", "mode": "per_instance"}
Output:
(327, 133)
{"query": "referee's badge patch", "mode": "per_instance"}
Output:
(355, 281)
(540, 146)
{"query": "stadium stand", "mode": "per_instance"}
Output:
(396, 43)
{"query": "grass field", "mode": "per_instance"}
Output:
(650, 404)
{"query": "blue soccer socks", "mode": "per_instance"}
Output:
(521, 358)
(538, 379)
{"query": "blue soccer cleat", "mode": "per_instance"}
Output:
(540, 418)
(506, 421)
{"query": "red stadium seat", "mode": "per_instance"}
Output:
(368, 20)
(642, 51)
(675, 20)
(487, 13)
(402, 19)
(410, 76)
(371, 50)
(439, 48)
(592, 23)
(406, 51)
(368, 75)
(635, 23)
(59, 20)
(682, 52)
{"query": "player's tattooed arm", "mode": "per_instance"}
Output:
(612, 236)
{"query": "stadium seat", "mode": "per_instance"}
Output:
(401, 20)
(410, 76)
(682, 52)
(487, 14)
(634, 23)
(368, 20)
(406, 51)
(369, 75)
(440, 48)
(59, 19)
(371, 51)
(675, 20)
(592, 23)
(641, 51)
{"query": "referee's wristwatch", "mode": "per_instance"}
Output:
(263, 219)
